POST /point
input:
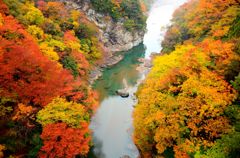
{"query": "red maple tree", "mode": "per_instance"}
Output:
(63, 141)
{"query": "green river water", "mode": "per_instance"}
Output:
(112, 124)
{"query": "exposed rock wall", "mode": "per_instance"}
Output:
(113, 34)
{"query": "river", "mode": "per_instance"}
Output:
(112, 123)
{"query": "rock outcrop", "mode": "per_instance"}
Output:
(112, 34)
(123, 93)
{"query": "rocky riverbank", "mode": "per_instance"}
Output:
(97, 72)
(113, 35)
(144, 66)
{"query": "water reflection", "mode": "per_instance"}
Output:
(114, 77)
(112, 124)
(98, 150)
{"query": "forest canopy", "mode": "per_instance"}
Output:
(45, 98)
(188, 106)
(131, 11)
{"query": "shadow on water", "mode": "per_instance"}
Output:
(96, 150)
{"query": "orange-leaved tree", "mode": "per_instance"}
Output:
(60, 140)
(26, 75)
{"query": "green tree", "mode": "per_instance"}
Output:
(70, 63)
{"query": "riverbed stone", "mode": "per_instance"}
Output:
(123, 93)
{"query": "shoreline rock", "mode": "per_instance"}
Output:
(146, 62)
(109, 62)
(113, 35)
(123, 93)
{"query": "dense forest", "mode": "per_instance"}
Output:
(129, 10)
(46, 53)
(189, 104)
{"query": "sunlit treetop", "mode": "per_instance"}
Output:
(59, 110)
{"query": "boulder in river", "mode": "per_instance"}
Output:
(148, 63)
(123, 93)
(141, 60)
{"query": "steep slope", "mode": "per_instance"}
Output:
(114, 33)
(47, 50)
(188, 106)
(121, 26)
(45, 99)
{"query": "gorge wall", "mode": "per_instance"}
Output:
(113, 34)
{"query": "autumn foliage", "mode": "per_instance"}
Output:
(26, 75)
(39, 89)
(182, 105)
(200, 18)
(64, 141)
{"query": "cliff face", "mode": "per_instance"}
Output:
(113, 34)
